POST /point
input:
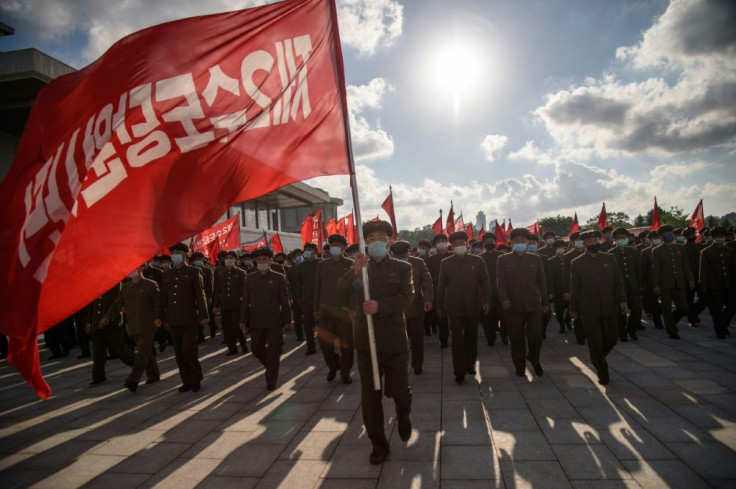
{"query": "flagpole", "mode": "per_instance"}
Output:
(354, 189)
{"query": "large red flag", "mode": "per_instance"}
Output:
(534, 228)
(437, 226)
(481, 234)
(261, 242)
(450, 224)
(331, 226)
(697, 220)
(110, 165)
(223, 237)
(459, 224)
(312, 230)
(603, 217)
(388, 206)
(500, 235)
(655, 216)
(276, 244)
(575, 226)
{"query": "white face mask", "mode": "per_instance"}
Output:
(432, 251)
(262, 267)
(165, 265)
(681, 239)
(229, 263)
(579, 244)
(656, 242)
(441, 246)
(461, 250)
(560, 251)
(550, 241)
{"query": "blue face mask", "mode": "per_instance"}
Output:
(335, 251)
(668, 238)
(247, 263)
(299, 259)
(579, 244)
(378, 249)
(198, 263)
(622, 242)
(307, 254)
(177, 258)
(531, 248)
(519, 247)
(422, 252)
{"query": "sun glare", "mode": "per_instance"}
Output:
(456, 69)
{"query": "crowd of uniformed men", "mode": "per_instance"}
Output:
(598, 283)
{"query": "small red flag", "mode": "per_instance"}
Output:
(222, 237)
(655, 216)
(450, 225)
(575, 226)
(388, 206)
(261, 242)
(481, 234)
(459, 224)
(500, 235)
(509, 228)
(331, 226)
(469, 231)
(276, 245)
(312, 230)
(697, 220)
(603, 218)
(351, 229)
(534, 228)
(437, 226)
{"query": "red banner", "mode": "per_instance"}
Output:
(459, 224)
(331, 226)
(110, 165)
(655, 216)
(223, 237)
(534, 228)
(509, 228)
(469, 231)
(697, 220)
(312, 230)
(437, 226)
(261, 242)
(500, 235)
(481, 234)
(350, 229)
(388, 206)
(276, 245)
(575, 226)
(450, 225)
(603, 218)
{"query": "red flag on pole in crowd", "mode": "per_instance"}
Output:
(509, 228)
(534, 228)
(388, 206)
(603, 217)
(261, 242)
(312, 230)
(655, 216)
(222, 237)
(437, 226)
(481, 234)
(350, 229)
(575, 226)
(459, 224)
(331, 226)
(276, 245)
(248, 101)
(341, 227)
(500, 235)
(450, 224)
(469, 231)
(697, 220)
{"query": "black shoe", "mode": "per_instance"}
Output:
(404, 428)
(538, 370)
(417, 370)
(84, 355)
(674, 336)
(377, 458)
(633, 336)
(231, 352)
(152, 380)
(521, 373)
(603, 380)
(130, 386)
(185, 388)
(346, 379)
(581, 342)
(505, 340)
(568, 326)
(331, 376)
(459, 379)
(310, 352)
(97, 382)
(623, 339)
(196, 387)
(270, 387)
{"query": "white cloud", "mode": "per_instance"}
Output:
(532, 153)
(680, 170)
(368, 142)
(492, 144)
(368, 25)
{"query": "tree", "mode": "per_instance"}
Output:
(675, 217)
(617, 219)
(640, 221)
(560, 225)
(416, 235)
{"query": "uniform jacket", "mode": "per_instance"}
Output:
(422, 288)
(433, 265)
(265, 301)
(522, 280)
(628, 263)
(670, 267)
(569, 257)
(100, 307)
(557, 269)
(692, 250)
(305, 278)
(208, 281)
(461, 280)
(153, 273)
(597, 287)
(391, 286)
(182, 296)
(327, 300)
(717, 268)
(141, 302)
(491, 260)
(229, 284)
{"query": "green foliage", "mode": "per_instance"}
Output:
(417, 235)
(560, 225)
(617, 219)
(675, 217)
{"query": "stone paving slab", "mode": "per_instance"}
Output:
(668, 419)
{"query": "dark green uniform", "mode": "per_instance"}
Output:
(228, 297)
(557, 268)
(630, 268)
(650, 302)
(304, 280)
(414, 313)
(439, 323)
(671, 272)
(141, 301)
(266, 310)
(579, 328)
(596, 292)
(463, 287)
(494, 319)
(718, 281)
(391, 287)
(694, 307)
(208, 285)
(108, 337)
(334, 320)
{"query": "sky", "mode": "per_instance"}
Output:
(521, 109)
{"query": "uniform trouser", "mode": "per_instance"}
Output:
(464, 331)
(546, 318)
(298, 323)
(676, 297)
(652, 305)
(427, 322)
(103, 338)
(494, 321)
(267, 344)
(694, 308)
(415, 329)
(55, 339)
(579, 329)
(330, 330)
(561, 311)
(185, 348)
(82, 337)
(393, 368)
(722, 306)
(629, 325)
(3, 345)
(602, 333)
(231, 330)
(525, 333)
(309, 326)
(443, 327)
(144, 359)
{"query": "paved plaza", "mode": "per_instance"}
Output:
(668, 419)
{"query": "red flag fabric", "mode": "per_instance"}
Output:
(261, 242)
(469, 231)
(534, 228)
(575, 226)
(503, 225)
(481, 234)
(509, 228)
(110, 165)
(388, 206)
(450, 224)
(697, 220)
(331, 226)
(655, 216)
(351, 230)
(459, 224)
(222, 237)
(276, 245)
(437, 226)
(603, 217)
(500, 235)
(341, 228)
(312, 230)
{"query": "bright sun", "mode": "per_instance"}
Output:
(456, 69)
